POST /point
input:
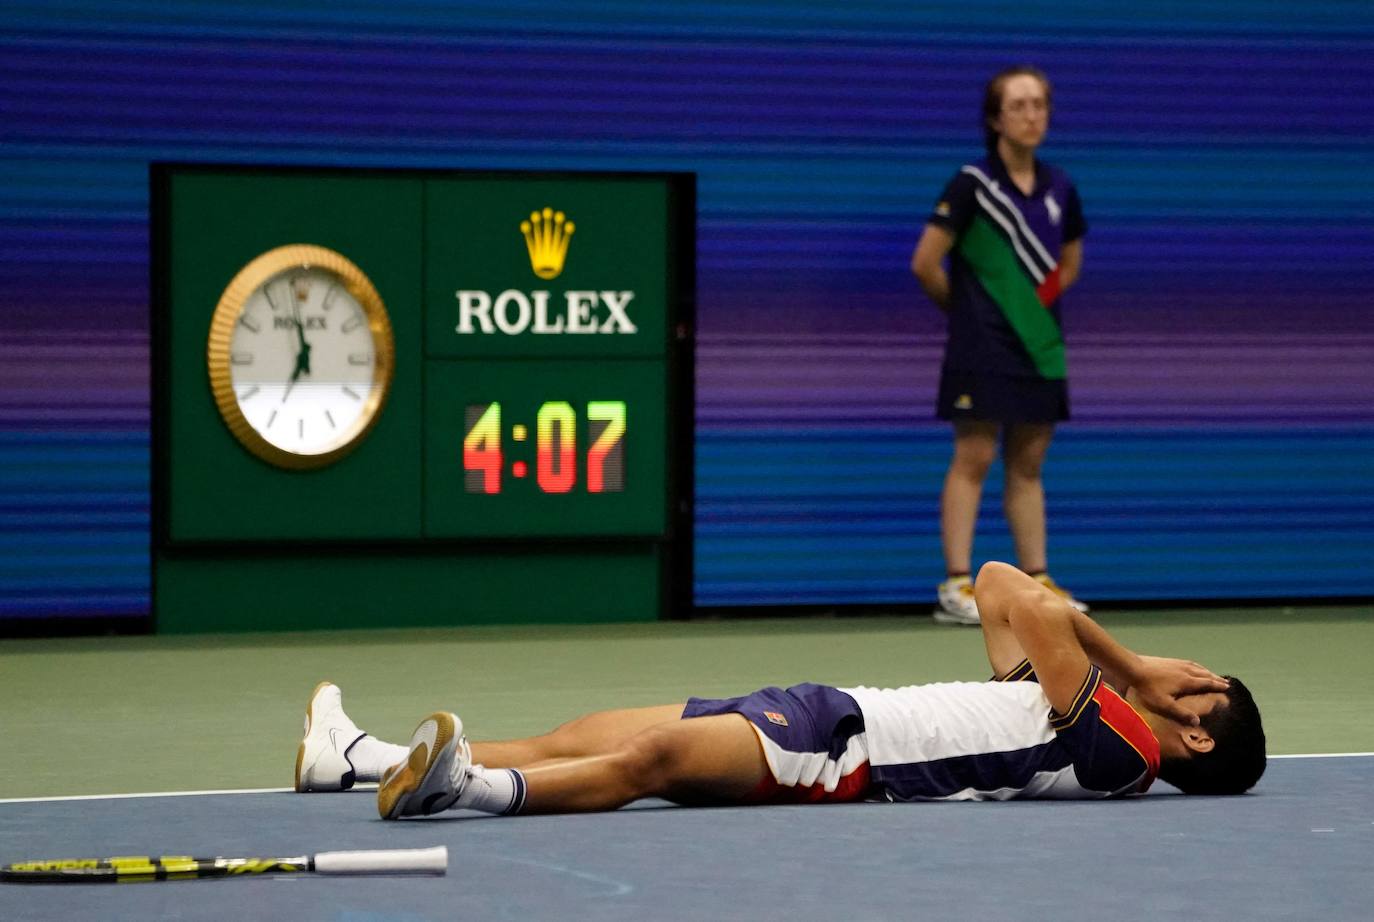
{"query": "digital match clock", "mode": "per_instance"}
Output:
(550, 448)
(556, 450)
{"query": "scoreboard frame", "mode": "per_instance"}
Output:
(640, 568)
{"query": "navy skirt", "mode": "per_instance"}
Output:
(1000, 399)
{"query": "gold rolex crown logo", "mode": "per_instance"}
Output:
(546, 237)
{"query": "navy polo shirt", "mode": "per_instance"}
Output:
(1004, 269)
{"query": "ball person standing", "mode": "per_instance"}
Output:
(1012, 227)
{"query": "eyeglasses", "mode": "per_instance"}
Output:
(1025, 106)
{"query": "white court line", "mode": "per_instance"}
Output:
(373, 786)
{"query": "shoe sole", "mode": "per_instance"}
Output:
(310, 722)
(411, 778)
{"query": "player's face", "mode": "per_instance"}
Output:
(1201, 705)
(1025, 115)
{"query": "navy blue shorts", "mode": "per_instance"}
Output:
(812, 736)
(1000, 399)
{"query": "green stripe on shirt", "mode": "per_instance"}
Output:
(1002, 277)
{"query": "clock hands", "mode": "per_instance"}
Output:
(303, 356)
(302, 367)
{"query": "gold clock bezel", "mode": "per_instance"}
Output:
(230, 309)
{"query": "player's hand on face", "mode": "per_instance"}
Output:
(1163, 681)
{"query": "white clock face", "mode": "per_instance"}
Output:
(303, 362)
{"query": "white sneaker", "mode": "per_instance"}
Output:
(1045, 580)
(433, 776)
(322, 759)
(956, 602)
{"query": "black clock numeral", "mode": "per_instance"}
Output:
(359, 358)
(271, 419)
(329, 416)
(352, 323)
(300, 428)
(329, 296)
(241, 358)
(249, 393)
(352, 393)
(247, 322)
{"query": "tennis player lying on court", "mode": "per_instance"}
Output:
(1070, 714)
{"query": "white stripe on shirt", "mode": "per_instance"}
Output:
(992, 187)
(1011, 234)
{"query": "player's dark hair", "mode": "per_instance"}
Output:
(1236, 762)
(992, 98)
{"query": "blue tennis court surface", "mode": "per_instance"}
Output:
(1301, 846)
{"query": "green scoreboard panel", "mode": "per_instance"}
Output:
(420, 398)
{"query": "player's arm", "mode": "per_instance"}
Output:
(1020, 622)
(927, 263)
(1023, 619)
(1070, 263)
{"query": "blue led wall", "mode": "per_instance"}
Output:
(1221, 343)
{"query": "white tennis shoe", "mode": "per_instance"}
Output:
(322, 759)
(957, 605)
(433, 776)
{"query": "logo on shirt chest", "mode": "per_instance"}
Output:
(775, 718)
(1053, 208)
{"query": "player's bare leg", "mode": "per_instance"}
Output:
(591, 734)
(700, 761)
(1023, 499)
(1001, 586)
(704, 760)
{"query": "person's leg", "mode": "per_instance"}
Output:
(1023, 499)
(1000, 587)
(334, 753)
(714, 759)
(975, 448)
(592, 734)
(704, 760)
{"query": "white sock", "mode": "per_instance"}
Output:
(370, 757)
(493, 790)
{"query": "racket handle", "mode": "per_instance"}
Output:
(387, 861)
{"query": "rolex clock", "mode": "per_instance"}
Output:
(300, 356)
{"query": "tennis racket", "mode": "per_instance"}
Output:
(143, 868)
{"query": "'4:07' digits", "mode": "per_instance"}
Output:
(556, 454)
